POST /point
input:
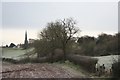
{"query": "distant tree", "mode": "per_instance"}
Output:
(6, 46)
(87, 45)
(12, 45)
(103, 45)
(103, 38)
(85, 39)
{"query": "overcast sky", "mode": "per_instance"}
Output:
(92, 18)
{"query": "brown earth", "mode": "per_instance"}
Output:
(39, 70)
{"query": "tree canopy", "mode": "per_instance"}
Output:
(55, 35)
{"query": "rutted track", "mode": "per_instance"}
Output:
(38, 70)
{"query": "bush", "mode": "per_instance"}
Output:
(51, 57)
(58, 55)
(116, 70)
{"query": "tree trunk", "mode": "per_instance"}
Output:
(64, 50)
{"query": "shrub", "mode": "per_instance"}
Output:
(116, 70)
(58, 55)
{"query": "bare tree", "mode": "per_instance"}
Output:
(59, 33)
(69, 30)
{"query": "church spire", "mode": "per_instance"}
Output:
(26, 41)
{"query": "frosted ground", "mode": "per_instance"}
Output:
(107, 60)
(14, 53)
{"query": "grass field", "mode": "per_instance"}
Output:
(13, 52)
(107, 60)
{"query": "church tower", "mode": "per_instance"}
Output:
(26, 41)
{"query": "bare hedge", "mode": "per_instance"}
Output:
(9, 60)
(58, 55)
(86, 62)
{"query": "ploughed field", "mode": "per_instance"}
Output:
(39, 70)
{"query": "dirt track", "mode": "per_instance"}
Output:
(39, 70)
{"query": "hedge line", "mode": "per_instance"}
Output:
(86, 62)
